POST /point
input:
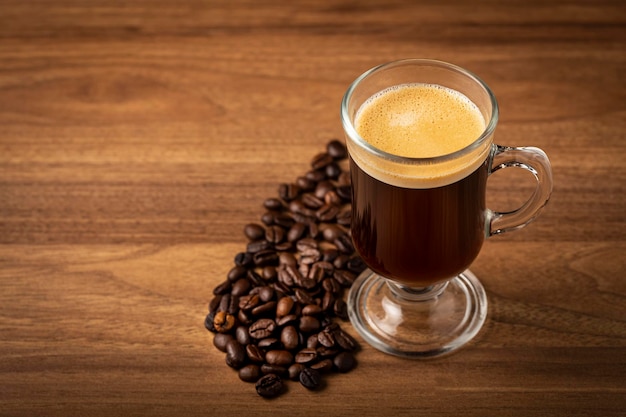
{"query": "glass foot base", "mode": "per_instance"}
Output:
(417, 323)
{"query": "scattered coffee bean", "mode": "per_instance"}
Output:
(250, 373)
(223, 322)
(274, 314)
(220, 340)
(254, 231)
(310, 378)
(344, 361)
(235, 354)
(269, 386)
(336, 149)
(294, 371)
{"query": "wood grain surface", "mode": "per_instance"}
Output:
(137, 138)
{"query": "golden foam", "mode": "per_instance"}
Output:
(420, 121)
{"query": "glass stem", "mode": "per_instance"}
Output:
(416, 293)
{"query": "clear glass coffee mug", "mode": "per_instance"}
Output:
(419, 223)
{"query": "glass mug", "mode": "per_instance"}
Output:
(419, 222)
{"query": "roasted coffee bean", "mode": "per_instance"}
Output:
(284, 306)
(283, 220)
(316, 175)
(254, 231)
(284, 246)
(262, 328)
(309, 324)
(235, 354)
(289, 275)
(264, 309)
(240, 287)
(341, 309)
(279, 357)
(244, 318)
(332, 232)
(289, 337)
(229, 304)
(310, 378)
(279, 370)
(223, 288)
(270, 343)
(250, 373)
(244, 259)
(265, 258)
(311, 310)
(305, 183)
(223, 322)
(345, 278)
(344, 218)
(326, 338)
(314, 230)
(303, 297)
(325, 365)
(341, 261)
(268, 273)
(306, 356)
(298, 207)
(256, 246)
(296, 232)
(242, 335)
(329, 255)
(316, 272)
(344, 340)
(312, 341)
(287, 258)
(307, 283)
(287, 320)
(336, 149)
(330, 285)
(255, 354)
(281, 289)
(328, 301)
(332, 171)
(356, 265)
(321, 160)
(322, 188)
(344, 244)
(265, 293)
(220, 340)
(288, 192)
(268, 218)
(269, 386)
(249, 301)
(306, 244)
(214, 303)
(273, 204)
(294, 371)
(274, 234)
(311, 201)
(344, 192)
(344, 179)
(208, 322)
(327, 352)
(237, 272)
(327, 213)
(344, 361)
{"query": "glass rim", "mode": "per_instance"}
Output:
(356, 138)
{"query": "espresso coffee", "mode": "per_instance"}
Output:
(427, 224)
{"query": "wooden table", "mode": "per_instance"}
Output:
(138, 138)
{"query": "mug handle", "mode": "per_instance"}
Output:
(536, 162)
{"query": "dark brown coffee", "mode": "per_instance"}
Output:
(418, 236)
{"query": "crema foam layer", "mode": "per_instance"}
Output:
(420, 121)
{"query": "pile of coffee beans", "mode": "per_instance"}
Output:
(275, 315)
